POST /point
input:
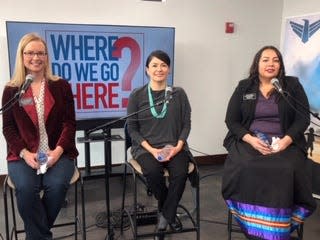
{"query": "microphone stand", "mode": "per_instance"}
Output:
(316, 115)
(108, 124)
(105, 127)
(10, 103)
(17, 96)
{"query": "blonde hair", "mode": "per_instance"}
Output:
(19, 73)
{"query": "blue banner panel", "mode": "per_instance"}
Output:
(102, 63)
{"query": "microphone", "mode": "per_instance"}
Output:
(26, 84)
(276, 84)
(285, 95)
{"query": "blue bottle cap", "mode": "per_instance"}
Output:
(42, 157)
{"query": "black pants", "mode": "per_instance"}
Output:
(170, 196)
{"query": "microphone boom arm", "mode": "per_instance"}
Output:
(10, 103)
(316, 115)
(108, 124)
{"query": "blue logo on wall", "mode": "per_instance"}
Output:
(306, 30)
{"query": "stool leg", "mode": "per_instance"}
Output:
(5, 201)
(229, 224)
(198, 208)
(13, 215)
(83, 210)
(135, 207)
(123, 196)
(300, 231)
(76, 210)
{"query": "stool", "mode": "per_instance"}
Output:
(14, 231)
(136, 171)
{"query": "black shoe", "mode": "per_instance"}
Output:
(160, 237)
(176, 226)
(162, 223)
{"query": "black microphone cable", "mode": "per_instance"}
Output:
(9, 104)
(164, 99)
(209, 174)
(278, 88)
(316, 115)
(216, 173)
(303, 114)
(17, 96)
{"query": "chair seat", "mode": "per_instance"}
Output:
(10, 183)
(138, 169)
(75, 176)
(316, 196)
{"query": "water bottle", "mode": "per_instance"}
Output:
(262, 137)
(42, 159)
(164, 152)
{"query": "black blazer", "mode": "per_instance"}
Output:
(294, 116)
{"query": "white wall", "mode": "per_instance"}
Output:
(297, 8)
(208, 62)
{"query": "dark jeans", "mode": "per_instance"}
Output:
(39, 214)
(170, 196)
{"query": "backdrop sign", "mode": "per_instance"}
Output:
(301, 51)
(102, 63)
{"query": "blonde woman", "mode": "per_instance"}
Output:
(43, 121)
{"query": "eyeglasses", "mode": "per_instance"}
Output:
(32, 54)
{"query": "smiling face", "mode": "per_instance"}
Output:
(157, 70)
(35, 58)
(269, 65)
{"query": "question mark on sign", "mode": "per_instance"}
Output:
(132, 44)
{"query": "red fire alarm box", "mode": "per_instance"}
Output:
(229, 27)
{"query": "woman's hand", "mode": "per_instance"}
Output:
(176, 149)
(283, 143)
(257, 144)
(156, 151)
(54, 155)
(31, 159)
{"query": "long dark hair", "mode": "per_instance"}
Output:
(254, 69)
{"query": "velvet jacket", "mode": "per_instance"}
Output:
(20, 122)
(293, 111)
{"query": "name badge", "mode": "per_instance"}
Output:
(26, 101)
(249, 96)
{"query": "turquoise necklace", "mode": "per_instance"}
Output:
(152, 107)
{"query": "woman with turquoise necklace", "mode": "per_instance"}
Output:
(165, 124)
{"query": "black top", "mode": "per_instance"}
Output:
(293, 111)
(158, 132)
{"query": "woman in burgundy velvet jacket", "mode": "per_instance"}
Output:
(43, 120)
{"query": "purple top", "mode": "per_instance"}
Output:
(266, 119)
